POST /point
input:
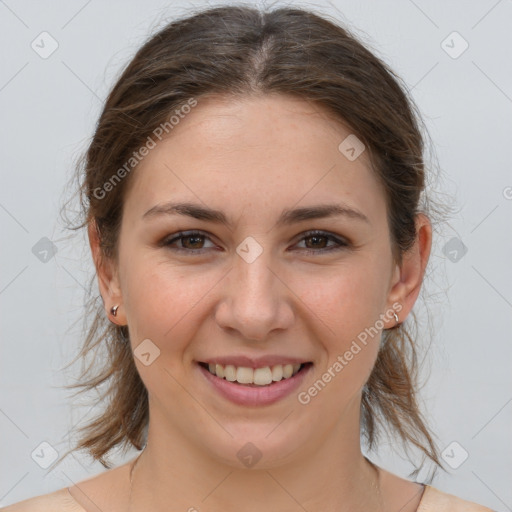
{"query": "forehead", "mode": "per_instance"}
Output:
(254, 152)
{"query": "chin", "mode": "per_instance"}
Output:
(254, 448)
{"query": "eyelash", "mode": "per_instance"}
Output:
(342, 244)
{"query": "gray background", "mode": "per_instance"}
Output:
(49, 107)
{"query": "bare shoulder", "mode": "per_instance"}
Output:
(439, 501)
(105, 491)
(57, 501)
(399, 493)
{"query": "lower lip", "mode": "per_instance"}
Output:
(255, 395)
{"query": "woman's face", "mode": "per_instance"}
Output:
(256, 290)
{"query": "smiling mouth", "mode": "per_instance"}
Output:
(257, 377)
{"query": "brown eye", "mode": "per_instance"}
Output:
(194, 241)
(189, 241)
(316, 242)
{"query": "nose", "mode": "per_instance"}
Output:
(255, 300)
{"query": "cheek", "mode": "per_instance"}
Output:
(350, 343)
(348, 299)
(348, 304)
(159, 302)
(162, 306)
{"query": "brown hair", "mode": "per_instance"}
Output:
(239, 50)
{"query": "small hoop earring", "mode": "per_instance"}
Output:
(114, 309)
(396, 318)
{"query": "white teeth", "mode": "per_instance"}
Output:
(219, 370)
(230, 372)
(287, 371)
(244, 375)
(262, 376)
(259, 376)
(277, 372)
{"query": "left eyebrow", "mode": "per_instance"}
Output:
(319, 212)
(287, 217)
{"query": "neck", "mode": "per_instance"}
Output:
(330, 475)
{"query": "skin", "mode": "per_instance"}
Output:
(252, 158)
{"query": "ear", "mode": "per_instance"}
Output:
(408, 277)
(107, 274)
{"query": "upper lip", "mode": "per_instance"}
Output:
(254, 362)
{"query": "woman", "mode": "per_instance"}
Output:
(254, 201)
